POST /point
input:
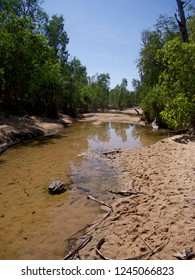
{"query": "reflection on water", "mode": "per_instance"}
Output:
(34, 224)
(123, 135)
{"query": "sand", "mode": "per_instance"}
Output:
(160, 222)
(17, 129)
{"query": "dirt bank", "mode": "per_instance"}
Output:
(16, 129)
(160, 221)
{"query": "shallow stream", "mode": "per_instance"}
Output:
(35, 224)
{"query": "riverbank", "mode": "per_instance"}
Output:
(17, 129)
(126, 116)
(159, 221)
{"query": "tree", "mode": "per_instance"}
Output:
(176, 87)
(103, 83)
(87, 101)
(120, 97)
(25, 60)
(74, 78)
(123, 94)
(138, 91)
(166, 27)
(182, 21)
(150, 67)
(57, 37)
(30, 9)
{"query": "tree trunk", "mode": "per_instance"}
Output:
(182, 21)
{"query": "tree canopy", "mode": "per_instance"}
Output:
(36, 74)
(167, 73)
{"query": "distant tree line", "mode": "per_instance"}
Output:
(36, 74)
(166, 65)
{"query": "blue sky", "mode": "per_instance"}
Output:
(105, 35)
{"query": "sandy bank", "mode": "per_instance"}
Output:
(15, 129)
(160, 222)
(126, 116)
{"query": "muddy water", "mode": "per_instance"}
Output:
(35, 224)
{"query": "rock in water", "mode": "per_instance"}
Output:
(57, 187)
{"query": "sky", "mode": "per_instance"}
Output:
(105, 35)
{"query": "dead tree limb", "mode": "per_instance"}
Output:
(100, 202)
(75, 251)
(137, 111)
(87, 236)
(126, 193)
(150, 253)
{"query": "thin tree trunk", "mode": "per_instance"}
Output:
(182, 21)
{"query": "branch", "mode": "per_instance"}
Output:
(126, 193)
(150, 253)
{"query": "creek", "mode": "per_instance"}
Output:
(34, 224)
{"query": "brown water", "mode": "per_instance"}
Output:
(35, 224)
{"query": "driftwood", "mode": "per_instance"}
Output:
(150, 253)
(87, 236)
(75, 251)
(100, 202)
(126, 193)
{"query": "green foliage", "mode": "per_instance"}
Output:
(30, 9)
(167, 67)
(87, 102)
(30, 79)
(177, 83)
(24, 55)
(148, 66)
(74, 78)
(57, 37)
(97, 92)
(120, 97)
